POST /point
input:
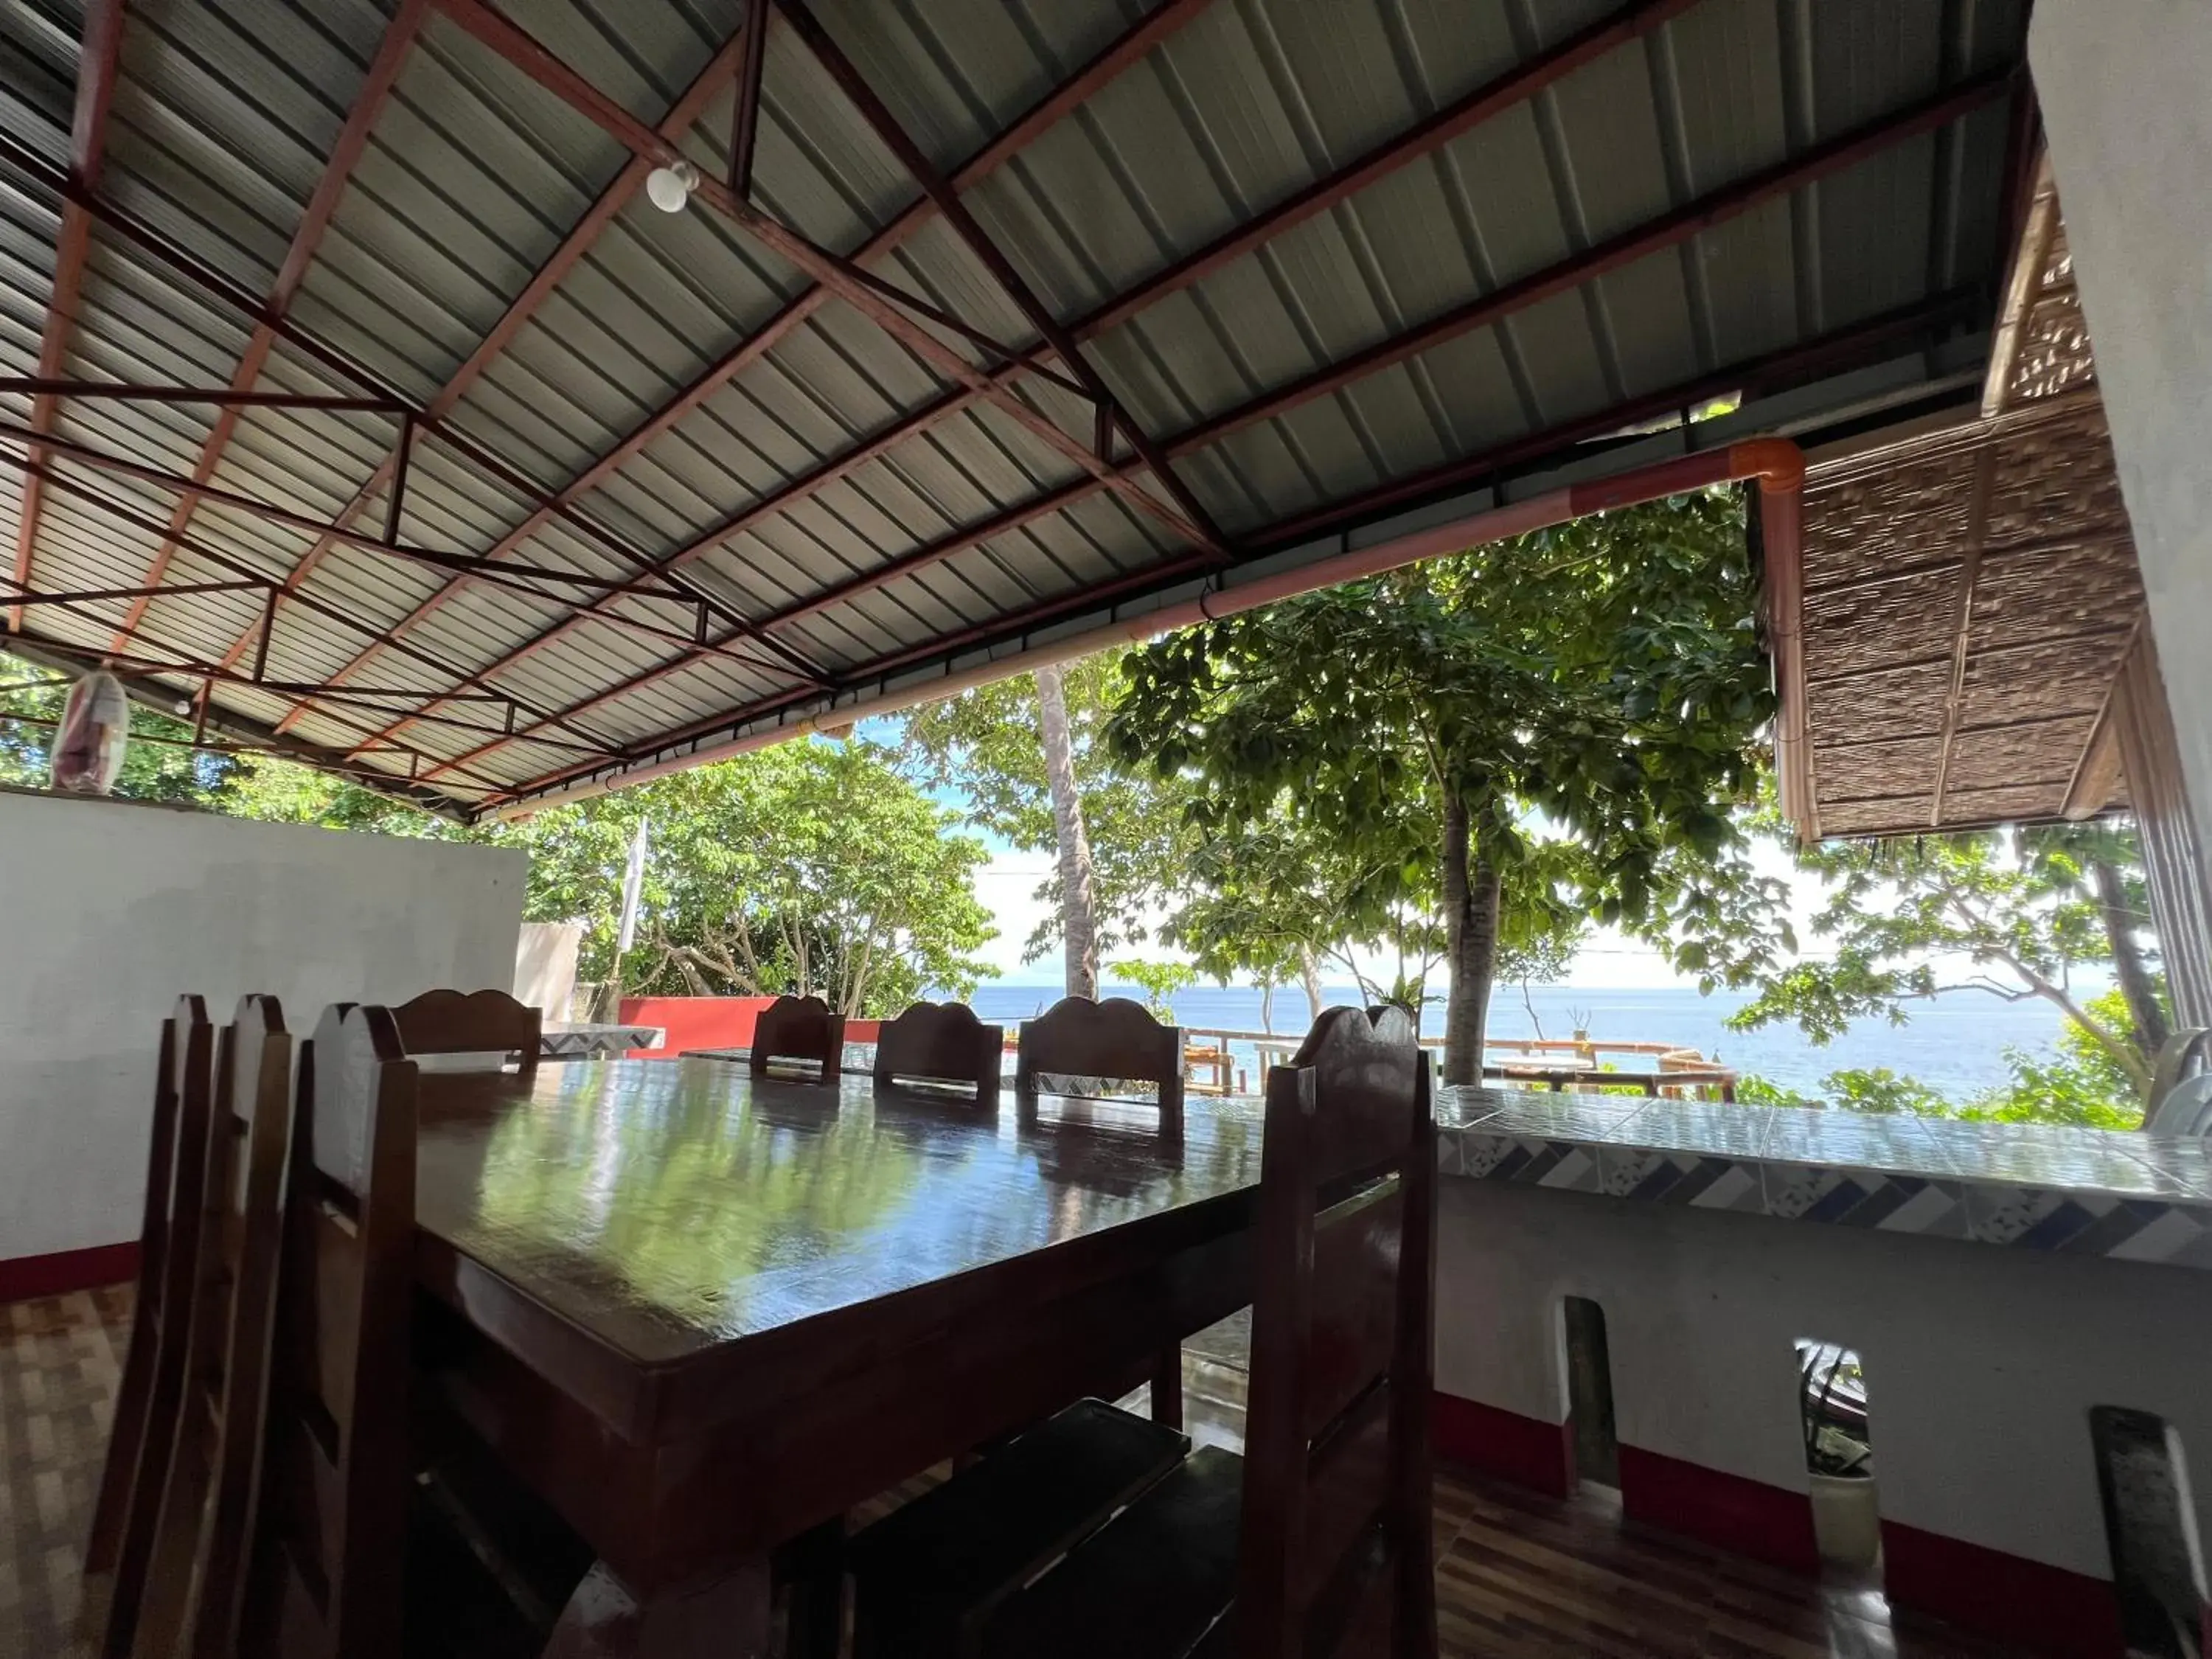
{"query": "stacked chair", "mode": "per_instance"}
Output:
(121, 1543)
(1094, 1536)
(266, 1492)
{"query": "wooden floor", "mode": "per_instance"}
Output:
(1517, 1574)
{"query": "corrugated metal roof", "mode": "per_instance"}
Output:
(695, 407)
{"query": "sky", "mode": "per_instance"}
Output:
(1608, 961)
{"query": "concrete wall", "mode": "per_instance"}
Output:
(1982, 1362)
(2123, 88)
(545, 968)
(113, 910)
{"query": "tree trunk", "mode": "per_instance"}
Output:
(1471, 928)
(1310, 976)
(2134, 974)
(1078, 925)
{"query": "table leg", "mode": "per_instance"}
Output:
(728, 1616)
(1167, 1386)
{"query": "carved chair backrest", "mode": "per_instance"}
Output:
(1335, 1546)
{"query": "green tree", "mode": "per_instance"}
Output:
(1278, 901)
(812, 867)
(987, 745)
(1540, 730)
(2021, 913)
(1159, 981)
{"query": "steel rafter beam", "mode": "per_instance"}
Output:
(744, 120)
(163, 699)
(682, 116)
(1129, 47)
(495, 30)
(954, 211)
(117, 391)
(1525, 81)
(197, 270)
(126, 514)
(1832, 353)
(212, 747)
(510, 575)
(97, 57)
(1639, 242)
(207, 673)
(353, 138)
(83, 658)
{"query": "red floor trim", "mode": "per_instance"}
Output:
(1524, 1449)
(30, 1276)
(2044, 1609)
(1729, 1511)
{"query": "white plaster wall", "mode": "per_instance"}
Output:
(1982, 1363)
(2123, 85)
(110, 911)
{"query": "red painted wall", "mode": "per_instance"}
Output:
(64, 1271)
(694, 1022)
(2043, 1609)
(1522, 1450)
(711, 1023)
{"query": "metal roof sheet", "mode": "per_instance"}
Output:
(1293, 262)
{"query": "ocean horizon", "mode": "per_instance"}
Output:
(1954, 1042)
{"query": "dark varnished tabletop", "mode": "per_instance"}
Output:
(672, 1212)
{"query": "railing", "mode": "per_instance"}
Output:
(1211, 1064)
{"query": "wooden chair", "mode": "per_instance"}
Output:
(207, 1504)
(1323, 1547)
(155, 1369)
(1116, 1042)
(942, 1043)
(129, 1424)
(346, 1521)
(324, 1571)
(1109, 1047)
(799, 1029)
(469, 1023)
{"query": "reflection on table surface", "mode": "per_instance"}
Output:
(669, 1206)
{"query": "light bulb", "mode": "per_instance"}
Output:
(671, 188)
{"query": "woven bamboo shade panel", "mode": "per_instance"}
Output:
(1968, 594)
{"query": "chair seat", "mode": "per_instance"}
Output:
(1152, 1584)
(931, 1571)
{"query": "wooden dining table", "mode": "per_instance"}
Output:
(701, 1314)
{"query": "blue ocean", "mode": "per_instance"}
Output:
(1954, 1042)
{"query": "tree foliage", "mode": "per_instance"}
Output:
(812, 867)
(1510, 740)
(2014, 914)
(984, 744)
